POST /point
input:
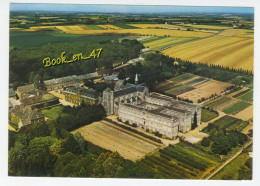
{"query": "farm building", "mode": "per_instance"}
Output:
(77, 95)
(135, 105)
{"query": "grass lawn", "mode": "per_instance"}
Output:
(207, 115)
(236, 108)
(53, 112)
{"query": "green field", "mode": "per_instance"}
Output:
(31, 39)
(182, 161)
(241, 93)
(151, 39)
(195, 81)
(165, 42)
(177, 89)
(207, 115)
(166, 86)
(215, 104)
(182, 78)
(226, 122)
(236, 108)
(124, 26)
(54, 112)
(247, 96)
(95, 27)
(231, 171)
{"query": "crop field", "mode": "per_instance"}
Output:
(94, 27)
(192, 87)
(148, 32)
(226, 122)
(232, 169)
(238, 33)
(245, 114)
(247, 96)
(207, 115)
(235, 52)
(163, 42)
(109, 136)
(110, 27)
(124, 26)
(236, 108)
(73, 28)
(181, 161)
(222, 103)
(165, 26)
(182, 78)
(204, 89)
(30, 39)
(207, 26)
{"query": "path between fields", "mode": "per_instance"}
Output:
(221, 166)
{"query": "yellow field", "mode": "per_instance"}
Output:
(207, 26)
(114, 138)
(72, 28)
(245, 114)
(166, 26)
(205, 90)
(51, 23)
(233, 52)
(110, 27)
(157, 32)
(238, 33)
(49, 17)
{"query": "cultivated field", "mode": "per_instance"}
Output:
(207, 26)
(72, 28)
(110, 27)
(192, 87)
(222, 103)
(204, 90)
(236, 52)
(182, 161)
(163, 42)
(245, 114)
(109, 136)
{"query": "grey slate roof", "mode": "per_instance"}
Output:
(87, 93)
(129, 89)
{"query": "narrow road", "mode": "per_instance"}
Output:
(221, 166)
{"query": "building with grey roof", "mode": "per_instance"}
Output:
(26, 91)
(135, 105)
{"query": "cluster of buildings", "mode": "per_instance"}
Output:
(134, 104)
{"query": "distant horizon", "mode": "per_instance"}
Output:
(128, 9)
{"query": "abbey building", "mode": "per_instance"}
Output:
(156, 112)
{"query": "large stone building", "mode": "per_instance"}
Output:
(156, 112)
(78, 95)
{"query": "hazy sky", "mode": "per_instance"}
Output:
(128, 9)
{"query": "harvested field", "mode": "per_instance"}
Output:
(238, 33)
(237, 108)
(109, 136)
(205, 90)
(207, 26)
(220, 50)
(165, 26)
(222, 103)
(73, 28)
(245, 114)
(147, 32)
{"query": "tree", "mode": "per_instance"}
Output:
(205, 142)
(194, 124)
